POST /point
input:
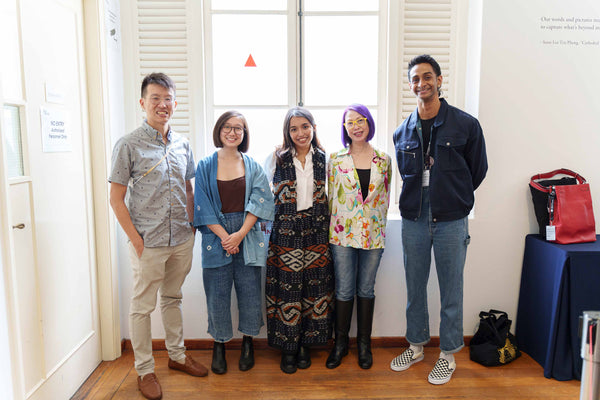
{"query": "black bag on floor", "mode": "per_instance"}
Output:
(493, 344)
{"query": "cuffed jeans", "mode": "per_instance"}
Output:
(164, 269)
(247, 281)
(355, 271)
(449, 240)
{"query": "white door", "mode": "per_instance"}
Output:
(51, 276)
(25, 290)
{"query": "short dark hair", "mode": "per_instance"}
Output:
(158, 78)
(426, 59)
(242, 147)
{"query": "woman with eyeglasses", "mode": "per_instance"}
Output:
(299, 288)
(359, 182)
(232, 198)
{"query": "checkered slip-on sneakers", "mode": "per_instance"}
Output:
(405, 360)
(442, 372)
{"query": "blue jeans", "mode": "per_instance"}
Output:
(449, 240)
(247, 281)
(355, 271)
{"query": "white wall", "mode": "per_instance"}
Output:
(539, 109)
(539, 112)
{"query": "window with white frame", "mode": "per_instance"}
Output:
(262, 57)
(267, 56)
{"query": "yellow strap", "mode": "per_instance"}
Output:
(154, 166)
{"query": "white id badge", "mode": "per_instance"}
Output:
(550, 232)
(425, 181)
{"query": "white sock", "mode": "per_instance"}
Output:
(447, 356)
(416, 349)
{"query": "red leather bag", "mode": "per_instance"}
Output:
(569, 207)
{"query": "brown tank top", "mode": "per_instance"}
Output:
(232, 194)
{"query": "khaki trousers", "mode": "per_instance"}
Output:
(159, 269)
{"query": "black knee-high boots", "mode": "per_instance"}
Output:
(364, 310)
(343, 318)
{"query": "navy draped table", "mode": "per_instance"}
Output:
(558, 283)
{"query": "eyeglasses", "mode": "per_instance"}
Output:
(237, 129)
(157, 100)
(359, 122)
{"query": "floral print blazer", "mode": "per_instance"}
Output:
(354, 222)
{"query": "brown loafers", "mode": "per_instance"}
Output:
(149, 386)
(190, 367)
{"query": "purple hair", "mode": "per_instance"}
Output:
(364, 111)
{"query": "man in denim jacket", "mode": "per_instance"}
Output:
(442, 160)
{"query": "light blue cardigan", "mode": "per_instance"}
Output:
(207, 211)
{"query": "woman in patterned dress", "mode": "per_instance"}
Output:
(299, 288)
(359, 182)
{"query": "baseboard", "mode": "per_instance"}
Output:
(261, 343)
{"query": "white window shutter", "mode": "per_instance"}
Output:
(163, 47)
(428, 28)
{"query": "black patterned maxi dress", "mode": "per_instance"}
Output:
(300, 281)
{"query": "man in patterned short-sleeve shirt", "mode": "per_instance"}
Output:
(152, 197)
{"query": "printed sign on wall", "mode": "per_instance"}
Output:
(56, 134)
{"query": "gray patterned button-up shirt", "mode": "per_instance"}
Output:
(157, 199)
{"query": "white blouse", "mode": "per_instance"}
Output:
(304, 178)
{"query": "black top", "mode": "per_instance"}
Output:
(364, 176)
(426, 125)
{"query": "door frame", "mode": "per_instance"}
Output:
(94, 85)
(6, 245)
(97, 67)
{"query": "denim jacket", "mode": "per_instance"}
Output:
(258, 200)
(460, 164)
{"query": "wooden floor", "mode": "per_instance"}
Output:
(522, 379)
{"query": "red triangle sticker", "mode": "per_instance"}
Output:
(250, 62)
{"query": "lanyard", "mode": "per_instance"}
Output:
(427, 159)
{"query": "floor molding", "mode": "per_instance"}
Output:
(261, 343)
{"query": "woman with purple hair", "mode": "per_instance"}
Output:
(359, 180)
